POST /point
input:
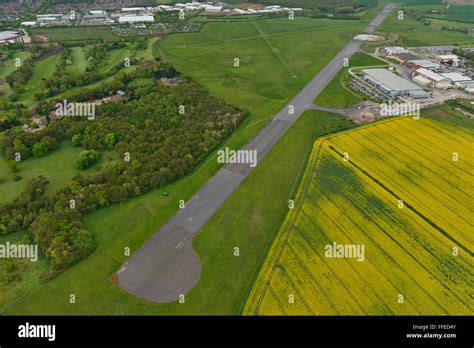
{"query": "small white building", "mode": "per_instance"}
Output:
(240, 11)
(28, 24)
(211, 8)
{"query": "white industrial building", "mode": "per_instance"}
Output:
(213, 8)
(424, 63)
(445, 58)
(393, 84)
(456, 77)
(133, 9)
(391, 51)
(136, 19)
(49, 15)
(436, 80)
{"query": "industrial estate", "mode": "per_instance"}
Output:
(265, 157)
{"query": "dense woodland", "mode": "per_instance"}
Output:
(155, 144)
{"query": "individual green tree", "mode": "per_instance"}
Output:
(76, 140)
(40, 149)
(87, 158)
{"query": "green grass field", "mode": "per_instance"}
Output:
(75, 33)
(413, 33)
(264, 81)
(79, 61)
(29, 271)
(7, 68)
(337, 94)
(42, 70)
(461, 13)
(58, 167)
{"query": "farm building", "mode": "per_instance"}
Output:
(393, 84)
(436, 80)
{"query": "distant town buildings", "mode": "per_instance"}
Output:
(147, 14)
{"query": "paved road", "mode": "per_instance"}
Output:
(166, 266)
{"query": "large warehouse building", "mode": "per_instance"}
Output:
(393, 84)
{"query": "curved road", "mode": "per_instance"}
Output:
(166, 266)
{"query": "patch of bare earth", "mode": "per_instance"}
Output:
(40, 38)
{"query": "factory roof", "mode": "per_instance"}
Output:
(431, 75)
(8, 34)
(396, 49)
(425, 63)
(389, 80)
(448, 57)
(456, 77)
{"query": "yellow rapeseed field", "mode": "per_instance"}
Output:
(382, 225)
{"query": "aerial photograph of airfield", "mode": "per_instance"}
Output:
(264, 157)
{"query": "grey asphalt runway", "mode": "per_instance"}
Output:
(166, 266)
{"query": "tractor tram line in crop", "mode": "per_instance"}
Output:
(404, 249)
(406, 204)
